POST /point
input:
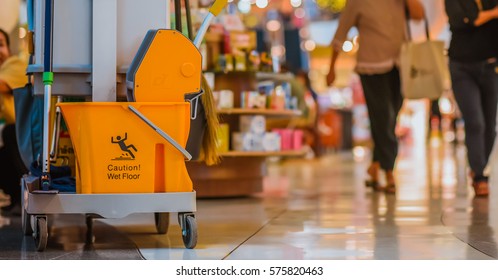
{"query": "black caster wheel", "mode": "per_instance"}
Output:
(162, 222)
(189, 232)
(40, 234)
(90, 238)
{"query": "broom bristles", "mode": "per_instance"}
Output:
(209, 152)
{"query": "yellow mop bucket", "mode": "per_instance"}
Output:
(118, 152)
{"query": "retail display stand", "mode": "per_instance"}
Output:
(240, 173)
(130, 156)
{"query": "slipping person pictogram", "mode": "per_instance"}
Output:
(124, 147)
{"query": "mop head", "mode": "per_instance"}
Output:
(209, 153)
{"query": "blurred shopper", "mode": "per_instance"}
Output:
(473, 62)
(382, 30)
(310, 120)
(12, 75)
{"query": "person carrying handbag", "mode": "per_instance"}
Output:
(381, 27)
(473, 68)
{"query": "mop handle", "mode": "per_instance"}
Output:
(189, 19)
(214, 11)
(48, 79)
(30, 14)
(178, 15)
(49, 29)
(217, 6)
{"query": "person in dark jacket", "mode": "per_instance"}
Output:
(473, 68)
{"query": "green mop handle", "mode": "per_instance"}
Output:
(48, 79)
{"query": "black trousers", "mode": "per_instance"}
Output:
(475, 86)
(11, 165)
(384, 100)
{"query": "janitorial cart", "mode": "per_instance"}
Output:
(130, 152)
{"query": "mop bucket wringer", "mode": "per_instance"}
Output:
(139, 146)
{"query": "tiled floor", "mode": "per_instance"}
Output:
(310, 209)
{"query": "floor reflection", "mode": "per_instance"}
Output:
(310, 209)
(480, 234)
(385, 228)
(67, 241)
(320, 209)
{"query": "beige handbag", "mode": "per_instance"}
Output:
(423, 68)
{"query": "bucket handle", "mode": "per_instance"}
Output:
(193, 99)
(168, 138)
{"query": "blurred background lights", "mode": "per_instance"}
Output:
(262, 3)
(244, 7)
(347, 46)
(359, 153)
(299, 13)
(309, 45)
(445, 106)
(355, 40)
(273, 25)
(296, 3)
(278, 50)
(304, 33)
(332, 5)
(22, 32)
(251, 21)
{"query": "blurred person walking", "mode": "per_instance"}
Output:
(309, 123)
(12, 75)
(473, 68)
(382, 30)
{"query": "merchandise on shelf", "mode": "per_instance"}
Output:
(297, 139)
(276, 96)
(253, 142)
(271, 142)
(254, 61)
(235, 50)
(223, 99)
(277, 99)
(223, 138)
(268, 95)
(290, 139)
(266, 62)
(253, 100)
(254, 124)
(240, 62)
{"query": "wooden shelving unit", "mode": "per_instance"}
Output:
(240, 173)
(266, 112)
(263, 154)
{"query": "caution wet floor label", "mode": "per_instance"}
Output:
(119, 170)
(123, 172)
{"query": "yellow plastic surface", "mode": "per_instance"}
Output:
(117, 152)
(217, 6)
(170, 69)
